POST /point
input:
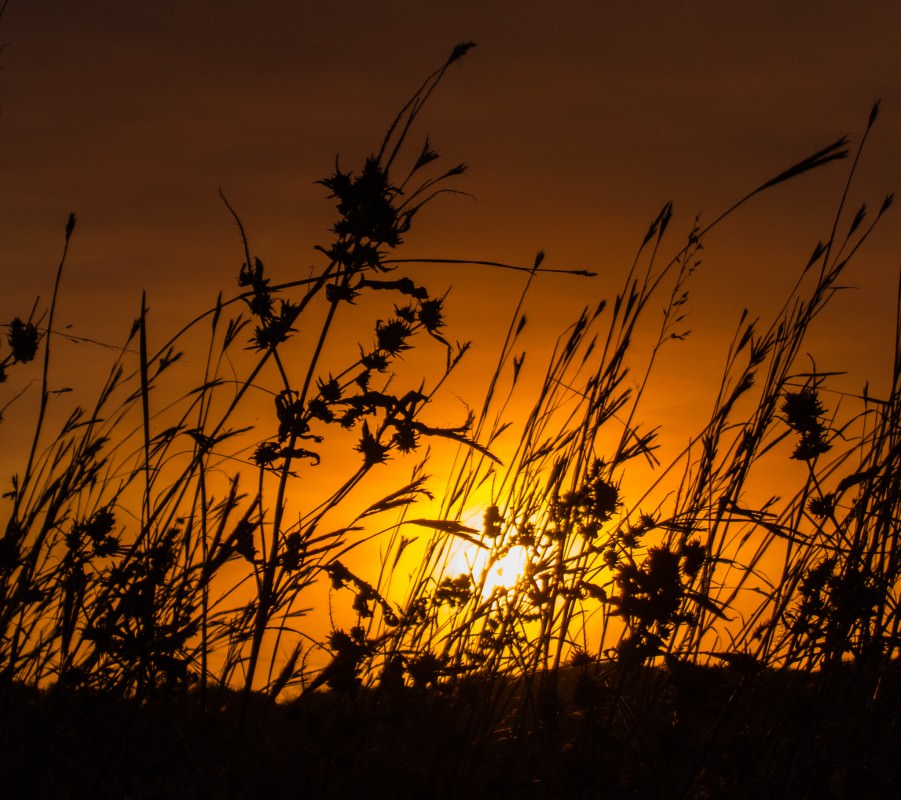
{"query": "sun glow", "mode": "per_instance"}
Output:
(489, 568)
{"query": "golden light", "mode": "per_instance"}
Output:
(488, 569)
(507, 570)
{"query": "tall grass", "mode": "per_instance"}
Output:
(636, 579)
(155, 541)
(158, 541)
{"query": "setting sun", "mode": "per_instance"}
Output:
(491, 573)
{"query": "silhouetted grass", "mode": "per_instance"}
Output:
(162, 559)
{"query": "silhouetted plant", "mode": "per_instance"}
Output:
(120, 555)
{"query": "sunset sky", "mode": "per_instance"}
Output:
(578, 120)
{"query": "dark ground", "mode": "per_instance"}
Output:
(692, 733)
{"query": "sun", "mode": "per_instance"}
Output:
(492, 571)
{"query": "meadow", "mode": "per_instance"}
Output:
(185, 611)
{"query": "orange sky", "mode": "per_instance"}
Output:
(578, 120)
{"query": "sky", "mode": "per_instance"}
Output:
(577, 120)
